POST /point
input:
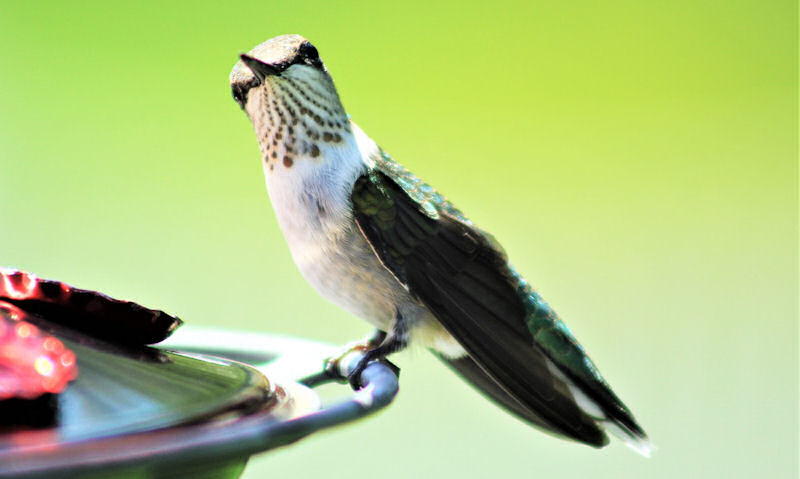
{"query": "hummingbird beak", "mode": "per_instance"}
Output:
(260, 69)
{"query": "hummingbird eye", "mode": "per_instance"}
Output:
(309, 51)
(240, 91)
(308, 54)
(238, 95)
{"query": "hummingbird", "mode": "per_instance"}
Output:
(380, 243)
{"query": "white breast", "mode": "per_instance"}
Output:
(312, 203)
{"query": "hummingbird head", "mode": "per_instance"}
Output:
(285, 89)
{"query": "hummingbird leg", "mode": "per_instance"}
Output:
(391, 342)
(376, 347)
(333, 363)
(375, 340)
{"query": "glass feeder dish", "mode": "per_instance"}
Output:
(197, 405)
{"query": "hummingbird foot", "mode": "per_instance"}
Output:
(376, 347)
(333, 364)
(393, 341)
(336, 366)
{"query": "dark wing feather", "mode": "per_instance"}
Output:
(462, 275)
(474, 374)
(464, 281)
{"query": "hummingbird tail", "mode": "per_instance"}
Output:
(608, 416)
(632, 439)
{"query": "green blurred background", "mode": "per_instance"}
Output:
(637, 160)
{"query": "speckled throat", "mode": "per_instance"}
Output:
(300, 116)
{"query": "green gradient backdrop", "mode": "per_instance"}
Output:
(637, 159)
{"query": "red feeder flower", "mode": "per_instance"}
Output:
(31, 362)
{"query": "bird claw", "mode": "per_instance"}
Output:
(354, 378)
(337, 366)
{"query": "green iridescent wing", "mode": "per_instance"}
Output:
(462, 275)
